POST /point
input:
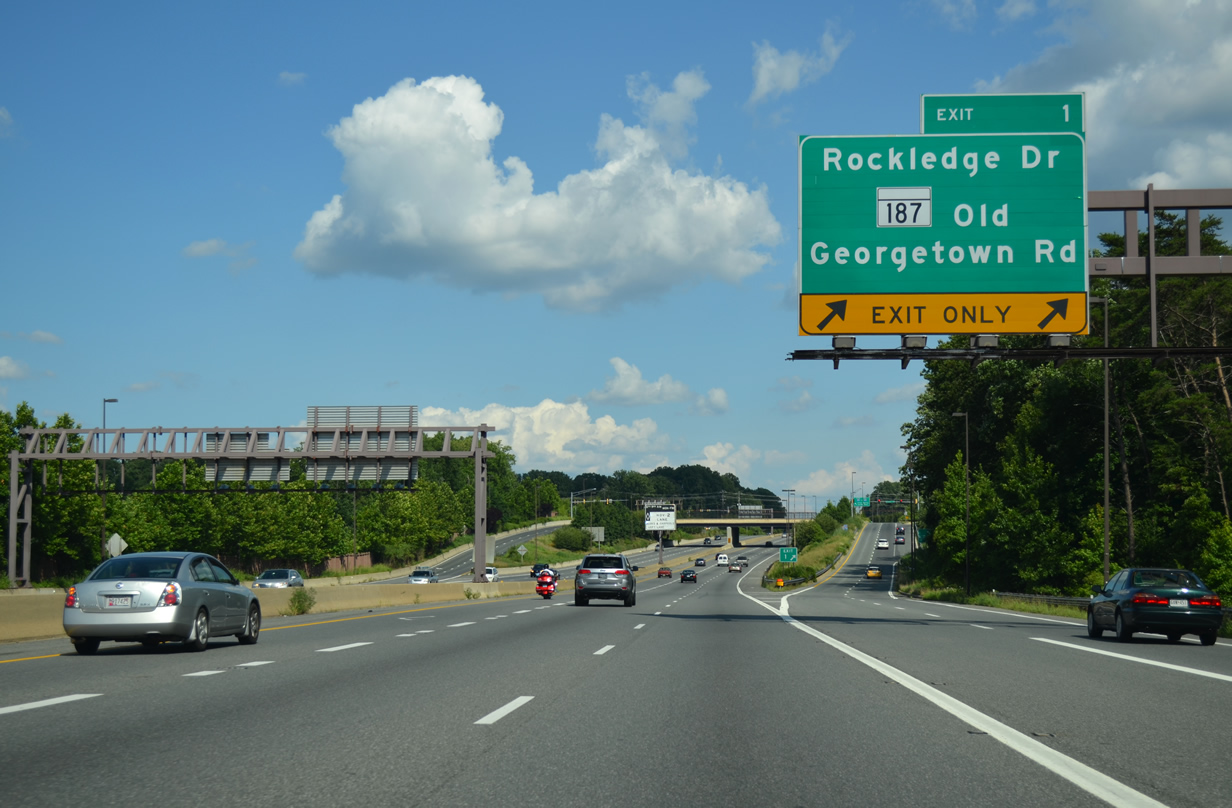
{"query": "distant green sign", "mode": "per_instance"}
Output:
(986, 113)
(862, 502)
(787, 555)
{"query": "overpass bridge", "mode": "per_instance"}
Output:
(775, 523)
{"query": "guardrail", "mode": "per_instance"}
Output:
(768, 579)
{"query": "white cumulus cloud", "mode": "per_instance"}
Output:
(560, 436)
(908, 392)
(776, 73)
(425, 197)
(10, 368)
(6, 122)
(836, 482)
(237, 253)
(1015, 10)
(290, 79)
(727, 458)
(33, 336)
(628, 387)
(960, 14)
(1156, 78)
(712, 402)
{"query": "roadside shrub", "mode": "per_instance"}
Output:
(826, 522)
(572, 538)
(302, 601)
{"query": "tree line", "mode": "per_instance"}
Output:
(1036, 445)
(299, 524)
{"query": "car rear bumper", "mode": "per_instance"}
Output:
(1165, 621)
(163, 622)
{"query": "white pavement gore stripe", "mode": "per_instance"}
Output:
(255, 664)
(405, 635)
(497, 715)
(639, 625)
(459, 625)
(986, 628)
(426, 631)
(926, 614)
(523, 611)
(604, 650)
(34, 705)
(342, 647)
(1089, 780)
(203, 673)
(1220, 676)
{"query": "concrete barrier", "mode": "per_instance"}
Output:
(35, 614)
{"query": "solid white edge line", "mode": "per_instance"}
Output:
(604, 650)
(1089, 780)
(34, 705)
(1195, 671)
(342, 647)
(459, 625)
(1004, 612)
(497, 715)
(977, 625)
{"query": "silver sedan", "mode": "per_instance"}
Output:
(156, 597)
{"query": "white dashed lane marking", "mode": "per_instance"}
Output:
(639, 625)
(203, 673)
(497, 715)
(342, 647)
(460, 625)
(34, 705)
(604, 650)
(255, 664)
(986, 628)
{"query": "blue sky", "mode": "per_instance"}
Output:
(574, 223)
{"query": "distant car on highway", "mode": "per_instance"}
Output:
(664, 572)
(733, 567)
(422, 577)
(701, 562)
(883, 544)
(157, 597)
(900, 530)
(873, 571)
(688, 577)
(706, 542)
(900, 539)
(277, 579)
(605, 576)
(742, 560)
(538, 568)
(1171, 602)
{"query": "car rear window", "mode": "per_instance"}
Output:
(121, 567)
(604, 562)
(1178, 578)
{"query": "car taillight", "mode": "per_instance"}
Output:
(622, 572)
(1207, 600)
(1146, 598)
(71, 601)
(171, 595)
(583, 572)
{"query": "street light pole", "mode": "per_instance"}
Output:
(102, 544)
(911, 506)
(967, 477)
(853, 495)
(1107, 516)
(788, 522)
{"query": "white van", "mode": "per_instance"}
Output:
(722, 559)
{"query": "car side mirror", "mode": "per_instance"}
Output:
(633, 568)
(1096, 589)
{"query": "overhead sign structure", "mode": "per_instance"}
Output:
(1003, 113)
(943, 234)
(661, 517)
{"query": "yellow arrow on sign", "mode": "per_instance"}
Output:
(944, 313)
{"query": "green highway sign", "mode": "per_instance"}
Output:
(1008, 113)
(862, 502)
(787, 555)
(943, 234)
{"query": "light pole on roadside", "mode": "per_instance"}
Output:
(1107, 517)
(853, 495)
(789, 492)
(911, 506)
(102, 545)
(967, 478)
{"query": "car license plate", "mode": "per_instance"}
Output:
(1178, 603)
(119, 601)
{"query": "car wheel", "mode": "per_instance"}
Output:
(252, 628)
(86, 646)
(1208, 638)
(578, 600)
(1093, 631)
(1174, 638)
(200, 636)
(630, 600)
(1122, 631)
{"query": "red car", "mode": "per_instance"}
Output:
(665, 572)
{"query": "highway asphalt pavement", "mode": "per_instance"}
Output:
(716, 693)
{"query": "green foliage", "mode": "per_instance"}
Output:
(826, 523)
(301, 602)
(572, 538)
(807, 533)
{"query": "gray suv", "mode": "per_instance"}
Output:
(602, 575)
